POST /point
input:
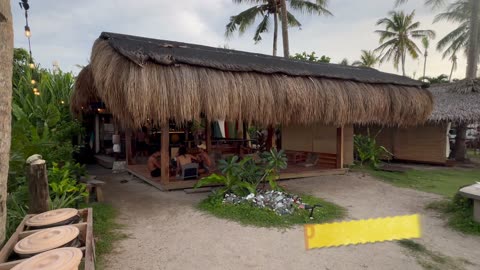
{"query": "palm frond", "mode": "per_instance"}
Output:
(261, 28)
(243, 20)
(292, 21)
(307, 7)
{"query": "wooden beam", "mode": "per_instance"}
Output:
(165, 157)
(208, 135)
(128, 146)
(340, 140)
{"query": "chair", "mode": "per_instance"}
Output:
(189, 171)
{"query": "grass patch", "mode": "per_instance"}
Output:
(105, 230)
(432, 260)
(459, 213)
(440, 181)
(247, 214)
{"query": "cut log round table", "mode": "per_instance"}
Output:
(45, 240)
(57, 259)
(52, 218)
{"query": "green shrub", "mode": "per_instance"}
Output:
(65, 190)
(459, 212)
(242, 177)
(368, 152)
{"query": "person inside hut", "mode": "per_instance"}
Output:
(205, 163)
(153, 164)
(183, 158)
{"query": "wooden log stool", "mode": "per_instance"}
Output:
(95, 187)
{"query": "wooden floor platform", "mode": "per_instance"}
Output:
(292, 172)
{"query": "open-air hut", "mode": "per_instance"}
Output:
(141, 79)
(456, 102)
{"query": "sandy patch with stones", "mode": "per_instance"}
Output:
(167, 232)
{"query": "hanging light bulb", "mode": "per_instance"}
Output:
(33, 81)
(35, 89)
(28, 33)
(61, 101)
(31, 65)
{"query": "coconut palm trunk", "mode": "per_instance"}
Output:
(6, 70)
(454, 66)
(275, 31)
(472, 59)
(460, 149)
(286, 51)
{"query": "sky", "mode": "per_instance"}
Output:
(64, 31)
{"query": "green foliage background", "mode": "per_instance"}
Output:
(42, 124)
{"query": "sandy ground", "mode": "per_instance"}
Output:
(167, 232)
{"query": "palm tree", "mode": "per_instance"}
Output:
(397, 38)
(6, 70)
(465, 36)
(426, 44)
(284, 12)
(367, 59)
(457, 12)
(344, 62)
(453, 58)
(466, 12)
(266, 9)
(435, 80)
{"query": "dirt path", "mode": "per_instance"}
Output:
(167, 232)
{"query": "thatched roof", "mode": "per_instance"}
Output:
(85, 91)
(456, 102)
(139, 79)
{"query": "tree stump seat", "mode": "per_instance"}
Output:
(95, 187)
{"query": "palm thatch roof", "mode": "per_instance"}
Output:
(140, 78)
(456, 102)
(85, 91)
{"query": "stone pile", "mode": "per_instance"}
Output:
(280, 202)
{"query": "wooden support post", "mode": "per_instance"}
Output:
(244, 135)
(37, 185)
(165, 157)
(269, 142)
(340, 139)
(208, 136)
(128, 146)
(97, 133)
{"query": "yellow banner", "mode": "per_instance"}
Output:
(362, 231)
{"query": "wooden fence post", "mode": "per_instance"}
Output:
(37, 185)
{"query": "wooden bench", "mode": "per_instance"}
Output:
(473, 192)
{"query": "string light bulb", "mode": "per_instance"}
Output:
(31, 65)
(28, 33)
(35, 89)
(33, 81)
(61, 101)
